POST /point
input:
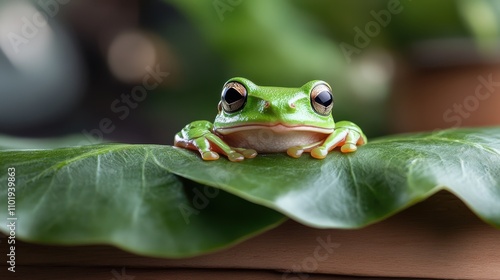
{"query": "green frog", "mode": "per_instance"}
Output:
(255, 119)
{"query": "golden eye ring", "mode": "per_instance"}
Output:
(322, 99)
(233, 97)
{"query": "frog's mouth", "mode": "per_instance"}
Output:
(277, 128)
(272, 138)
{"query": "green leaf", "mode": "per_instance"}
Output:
(120, 195)
(128, 195)
(354, 190)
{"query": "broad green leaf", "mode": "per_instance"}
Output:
(354, 190)
(120, 195)
(127, 195)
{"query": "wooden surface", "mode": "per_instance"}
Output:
(439, 238)
(98, 273)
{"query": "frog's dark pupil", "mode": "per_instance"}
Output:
(232, 95)
(324, 98)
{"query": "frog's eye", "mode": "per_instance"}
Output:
(234, 96)
(322, 99)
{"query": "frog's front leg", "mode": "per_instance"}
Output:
(198, 136)
(346, 134)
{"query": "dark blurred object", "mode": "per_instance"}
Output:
(64, 63)
(41, 72)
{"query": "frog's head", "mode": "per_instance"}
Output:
(247, 106)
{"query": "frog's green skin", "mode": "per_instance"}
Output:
(270, 120)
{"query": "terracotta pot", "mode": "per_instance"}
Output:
(443, 87)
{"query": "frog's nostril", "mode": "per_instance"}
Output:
(267, 104)
(292, 105)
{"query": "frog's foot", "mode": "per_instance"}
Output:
(353, 139)
(319, 152)
(217, 145)
(209, 155)
(339, 137)
(348, 148)
(199, 144)
(235, 154)
(197, 136)
(212, 155)
(297, 151)
(347, 135)
(350, 142)
(247, 153)
(210, 150)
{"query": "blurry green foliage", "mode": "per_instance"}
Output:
(287, 43)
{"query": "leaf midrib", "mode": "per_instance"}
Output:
(98, 152)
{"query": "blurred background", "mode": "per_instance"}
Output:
(138, 71)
